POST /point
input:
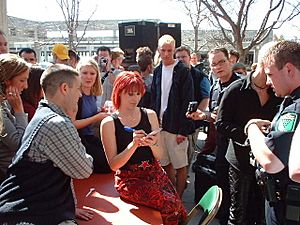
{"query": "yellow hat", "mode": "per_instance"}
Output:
(61, 51)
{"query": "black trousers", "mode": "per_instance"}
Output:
(247, 201)
(223, 183)
(222, 175)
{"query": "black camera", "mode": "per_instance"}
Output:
(192, 107)
(103, 60)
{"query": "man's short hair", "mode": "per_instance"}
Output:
(284, 52)
(103, 49)
(183, 48)
(166, 39)
(217, 50)
(56, 75)
(27, 50)
(144, 57)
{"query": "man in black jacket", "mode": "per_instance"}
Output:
(171, 91)
(221, 67)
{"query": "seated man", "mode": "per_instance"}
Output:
(38, 189)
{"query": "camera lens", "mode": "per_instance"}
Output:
(103, 60)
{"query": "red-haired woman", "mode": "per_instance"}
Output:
(133, 154)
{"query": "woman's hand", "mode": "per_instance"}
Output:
(14, 99)
(138, 138)
(150, 140)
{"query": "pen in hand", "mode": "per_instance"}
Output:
(128, 129)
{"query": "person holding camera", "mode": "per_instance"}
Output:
(282, 66)
(221, 67)
(103, 58)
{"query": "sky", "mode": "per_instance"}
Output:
(164, 10)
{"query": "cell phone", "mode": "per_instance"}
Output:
(154, 132)
(192, 107)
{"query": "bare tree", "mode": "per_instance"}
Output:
(196, 12)
(70, 10)
(232, 18)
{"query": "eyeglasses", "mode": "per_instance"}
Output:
(220, 63)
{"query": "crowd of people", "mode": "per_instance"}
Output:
(84, 115)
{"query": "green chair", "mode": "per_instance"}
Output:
(209, 203)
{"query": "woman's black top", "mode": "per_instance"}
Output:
(123, 138)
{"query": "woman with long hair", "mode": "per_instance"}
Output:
(88, 115)
(14, 72)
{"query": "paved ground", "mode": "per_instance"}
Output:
(188, 195)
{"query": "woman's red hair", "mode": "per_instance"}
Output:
(127, 81)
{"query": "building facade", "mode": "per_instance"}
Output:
(41, 36)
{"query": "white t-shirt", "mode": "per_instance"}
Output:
(166, 83)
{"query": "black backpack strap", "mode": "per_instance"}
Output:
(104, 77)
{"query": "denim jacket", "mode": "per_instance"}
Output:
(181, 93)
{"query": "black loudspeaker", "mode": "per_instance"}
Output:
(133, 35)
(173, 29)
